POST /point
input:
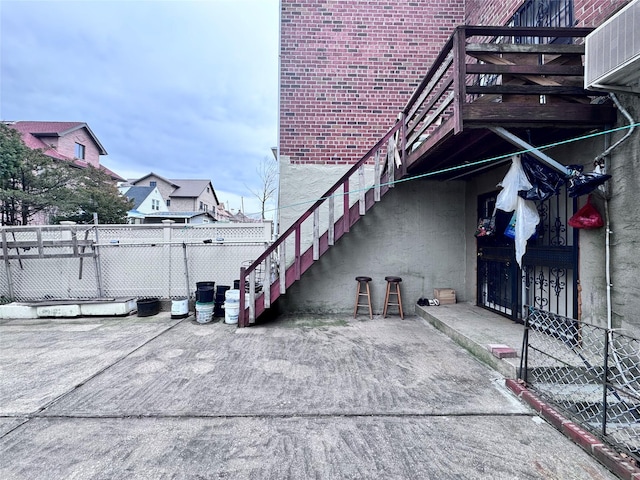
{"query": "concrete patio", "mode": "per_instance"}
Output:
(299, 397)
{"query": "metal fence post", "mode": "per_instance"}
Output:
(186, 268)
(5, 254)
(605, 379)
(242, 315)
(166, 237)
(96, 259)
(524, 356)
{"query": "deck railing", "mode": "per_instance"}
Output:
(481, 73)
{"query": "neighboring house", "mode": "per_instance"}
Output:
(182, 195)
(146, 200)
(349, 71)
(72, 142)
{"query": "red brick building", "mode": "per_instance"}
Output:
(350, 69)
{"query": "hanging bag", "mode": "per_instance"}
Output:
(587, 217)
(486, 226)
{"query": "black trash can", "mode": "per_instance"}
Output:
(148, 306)
(207, 288)
(218, 308)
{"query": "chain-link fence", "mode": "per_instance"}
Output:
(589, 372)
(116, 261)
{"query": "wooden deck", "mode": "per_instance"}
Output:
(483, 78)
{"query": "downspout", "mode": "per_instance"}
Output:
(601, 163)
(276, 216)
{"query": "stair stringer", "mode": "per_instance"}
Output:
(306, 259)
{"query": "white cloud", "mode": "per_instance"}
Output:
(187, 89)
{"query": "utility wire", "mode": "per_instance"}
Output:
(466, 165)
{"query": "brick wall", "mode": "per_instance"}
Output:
(490, 12)
(591, 13)
(348, 67)
(67, 146)
(587, 13)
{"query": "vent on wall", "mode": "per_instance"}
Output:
(612, 52)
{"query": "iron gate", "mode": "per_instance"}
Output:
(548, 279)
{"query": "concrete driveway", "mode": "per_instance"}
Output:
(300, 398)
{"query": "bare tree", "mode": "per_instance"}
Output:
(267, 171)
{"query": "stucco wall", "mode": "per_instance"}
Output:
(625, 223)
(302, 184)
(414, 232)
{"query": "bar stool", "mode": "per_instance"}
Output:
(395, 283)
(360, 293)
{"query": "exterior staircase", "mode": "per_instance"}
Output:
(280, 271)
(482, 79)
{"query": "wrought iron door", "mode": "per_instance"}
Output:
(548, 279)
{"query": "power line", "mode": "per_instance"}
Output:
(466, 165)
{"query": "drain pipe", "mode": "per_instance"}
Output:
(627, 135)
(608, 262)
(600, 161)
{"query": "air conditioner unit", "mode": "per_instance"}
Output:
(612, 52)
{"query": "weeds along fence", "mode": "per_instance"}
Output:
(590, 373)
(113, 261)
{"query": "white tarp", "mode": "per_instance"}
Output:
(508, 200)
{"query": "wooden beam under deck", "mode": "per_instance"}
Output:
(505, 114)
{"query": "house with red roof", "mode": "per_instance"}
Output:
(72, 142)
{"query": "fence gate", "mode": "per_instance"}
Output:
(549, 277)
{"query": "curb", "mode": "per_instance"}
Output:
(618, 465)
(477, 350)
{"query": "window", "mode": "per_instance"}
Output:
(79, 151)
(168, 202)
(153, 184)
(543, 13)
(155, 204)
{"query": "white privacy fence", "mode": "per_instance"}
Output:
(114, 261)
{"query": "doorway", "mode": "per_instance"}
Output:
(548, 279)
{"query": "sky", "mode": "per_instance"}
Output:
(181, 88)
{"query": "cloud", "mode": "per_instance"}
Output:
(187, 89)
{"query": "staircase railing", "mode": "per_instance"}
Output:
(280, 270)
